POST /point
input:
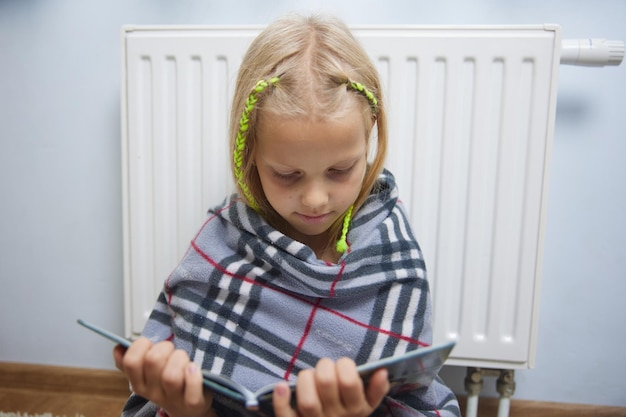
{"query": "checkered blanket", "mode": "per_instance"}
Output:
(248, 302)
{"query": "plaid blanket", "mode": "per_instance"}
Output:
(248, 302)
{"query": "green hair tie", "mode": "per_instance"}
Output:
(360, 88)
(242, 135)
(342, 243)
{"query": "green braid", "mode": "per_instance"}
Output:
(360, 88)
(240, 141)
(342, 243)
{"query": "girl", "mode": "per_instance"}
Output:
(312, 267)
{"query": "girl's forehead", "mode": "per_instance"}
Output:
(286, 140)
(272, 126)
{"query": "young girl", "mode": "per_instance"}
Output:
(312, 267)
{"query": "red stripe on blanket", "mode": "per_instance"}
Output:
(309, 323)
(305, 334)
(334, 284)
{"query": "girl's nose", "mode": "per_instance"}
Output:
(314, 196)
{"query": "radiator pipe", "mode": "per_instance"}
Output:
(505, 386)
(473, 387)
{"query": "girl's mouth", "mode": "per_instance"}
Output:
(313, 219)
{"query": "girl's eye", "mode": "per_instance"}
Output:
(336, 172)
(289, 176)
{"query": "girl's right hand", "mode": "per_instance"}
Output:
(332, 389)
(166, 376)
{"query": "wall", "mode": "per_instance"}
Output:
(60, 184)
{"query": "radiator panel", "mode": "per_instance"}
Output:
(471, 113)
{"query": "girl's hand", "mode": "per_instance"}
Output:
(332, 390)
(165, 376)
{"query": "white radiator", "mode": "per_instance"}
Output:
(471, 123)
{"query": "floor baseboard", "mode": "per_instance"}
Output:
(46, 378)
(488, 407)
(107, 383)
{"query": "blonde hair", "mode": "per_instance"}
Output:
(317, 70)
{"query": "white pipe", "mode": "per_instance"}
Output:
(471, 409)
(504, 404)
(592, 52)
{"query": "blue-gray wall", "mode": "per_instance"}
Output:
(60, 182)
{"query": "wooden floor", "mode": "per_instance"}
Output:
(61, 391)
(488, 407)
(32, 402)
(97, 393)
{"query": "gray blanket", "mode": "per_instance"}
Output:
(248, 302)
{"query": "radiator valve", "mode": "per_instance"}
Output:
(506, 383)
(592, 52)
(474, 381)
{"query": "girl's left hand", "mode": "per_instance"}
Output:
(332, 389)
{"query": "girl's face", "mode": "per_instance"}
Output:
(311, 172)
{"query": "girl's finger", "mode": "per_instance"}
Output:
(173, 374)
(282, 401)
(350, 386)
(377, 387)
(307, 399)
(118, 355)
(196, 397)
(327, 383)
(132, 363)
(155, 361)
